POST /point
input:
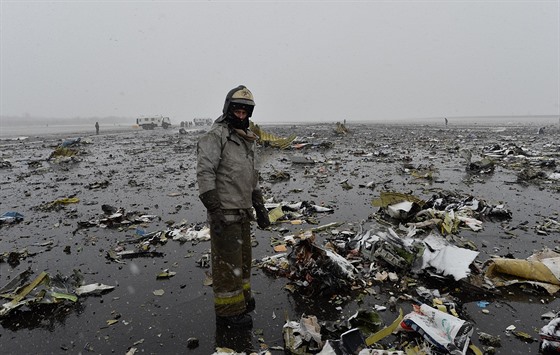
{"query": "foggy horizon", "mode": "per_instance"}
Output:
(16, 120)
(303, 60)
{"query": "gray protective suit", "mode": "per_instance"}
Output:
(226, 163)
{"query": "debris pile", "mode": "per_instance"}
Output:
(67, 152)
(422, 242)
(45, 289)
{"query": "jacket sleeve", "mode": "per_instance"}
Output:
(209, 151)
(256, 173)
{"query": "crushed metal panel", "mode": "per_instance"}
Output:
(388, 198)
(270, 139)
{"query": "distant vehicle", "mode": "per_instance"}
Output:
(153, 122)
(202, 121)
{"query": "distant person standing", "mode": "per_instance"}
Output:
(446, 121)
(96, 127)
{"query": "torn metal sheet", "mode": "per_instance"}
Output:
(392, 249)
(275, 214)
(71, 142)
(398, 205)
(116, 218)
(447, 259)
(16, 281)
(302, 160)
(354, 341)
(189, 234)
(269, 139)
(321, 209)
(22, 293)
(541, 269)
(400, 210)
(303, 337)
(131, 254)
(295, 213)
(341, 129)
(11, 217)
(550, 336)
(61, 152)
(57, 204)
(387, 198)
(95, 288)
(318, 272)
(484, 166)
(466, 206)
(165, 274)
(44, 290)
(279, 175)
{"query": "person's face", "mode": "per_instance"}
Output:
(240, 113)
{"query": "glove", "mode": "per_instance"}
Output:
(211, 201)
(262, 212)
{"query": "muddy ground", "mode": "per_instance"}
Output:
(153, 172)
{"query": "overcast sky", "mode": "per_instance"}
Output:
(303, 60)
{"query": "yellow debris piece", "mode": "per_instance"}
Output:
(275, 214)
(270, 139)
(66, 201)
(388, 198)
(63, 152)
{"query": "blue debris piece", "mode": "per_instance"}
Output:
(70, 142)
(482, 304)
(11, 217)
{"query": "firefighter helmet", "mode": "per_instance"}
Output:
(240, 97)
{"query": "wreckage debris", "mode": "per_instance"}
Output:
(303, 336)
(116, 218)
(341, 129)
(278, 176)
(66, 151)
(541, 269)
(145, 244)
(98, 185)
(550, 336)
(268, 139)
(45, 289)
(57, 204)
(303, 160)
(447, 211)
(446, 332)
(318, 272)
(411, 244)
(11, 217)
(306, 265)
(300, 265)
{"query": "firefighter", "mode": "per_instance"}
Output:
(228, 187)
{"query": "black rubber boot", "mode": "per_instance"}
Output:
(250, 305)
(241, 320)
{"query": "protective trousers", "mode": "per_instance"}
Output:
(231, 264)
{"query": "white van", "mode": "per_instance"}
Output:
(153, 122)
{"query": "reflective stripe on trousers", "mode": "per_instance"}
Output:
(231, 266)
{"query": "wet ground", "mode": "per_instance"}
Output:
(153, 172)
